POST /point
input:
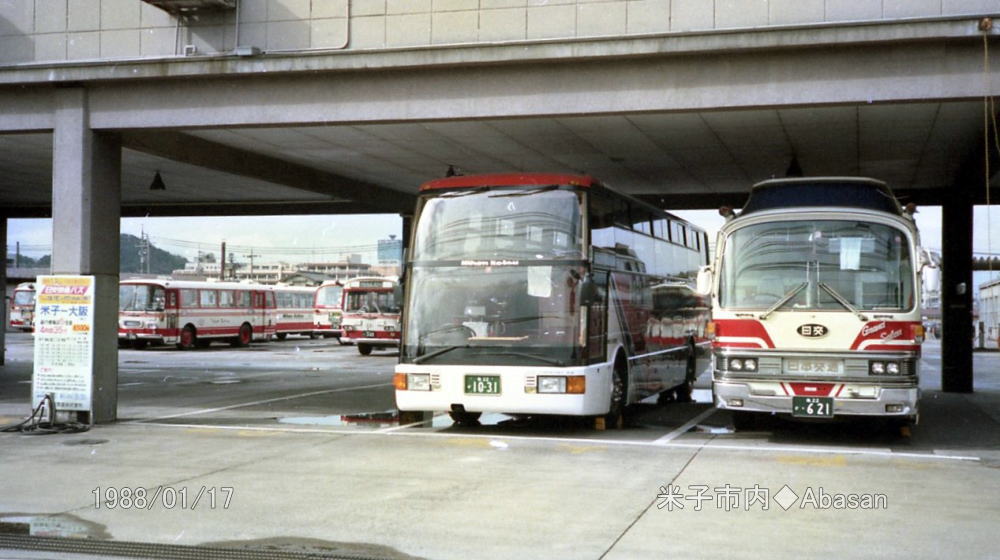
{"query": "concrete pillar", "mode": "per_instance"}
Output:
(3, 284)
(86, 211)
(956, 291)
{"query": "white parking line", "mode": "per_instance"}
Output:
(706, 446)
(686, 426)
(254, 403)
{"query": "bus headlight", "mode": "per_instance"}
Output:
(742, 364)
(418, 381)
(570, 384)
(884, 368)
(552, 384)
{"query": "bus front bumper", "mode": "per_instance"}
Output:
(883, 401)
(517, 386)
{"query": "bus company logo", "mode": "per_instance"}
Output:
(872, 329)
(812, 330)
(491, 262)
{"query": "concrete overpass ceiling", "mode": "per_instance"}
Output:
(26, 171)
(909, 145)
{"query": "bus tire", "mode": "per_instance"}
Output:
(281, 336)
(615, 418)
(188, 338)
(244, 337)
(313, 336)
(465, 418)
(683, 391)
(365, 349)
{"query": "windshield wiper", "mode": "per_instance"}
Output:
(525, 193)
(787, 297)
(550, 361)
(843, 301)
(460, 194)
(438, 352)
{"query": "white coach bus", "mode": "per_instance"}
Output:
(533, 294)
(816, 303)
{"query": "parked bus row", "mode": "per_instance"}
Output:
(533, 294)
(192, 314)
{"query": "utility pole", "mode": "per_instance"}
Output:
(143, 252)
(251, 256)
(232, 265)
(222, 263)
(17, 256)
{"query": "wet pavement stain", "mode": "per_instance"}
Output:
(316, 546)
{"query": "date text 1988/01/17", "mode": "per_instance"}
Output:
(167, 497)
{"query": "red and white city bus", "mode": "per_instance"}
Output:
(193, 314)
(294, 312)
(537, 293)
(816, 303)
(327, 316)
(371, 313)
(22, 307)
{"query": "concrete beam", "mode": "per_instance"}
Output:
(4, 304)
(795, 37)
(250, 208)
(86, 197)
(212, 155)
(892, 72)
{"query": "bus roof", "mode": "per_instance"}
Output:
(800, 192)
(196, 284)
(508, 180)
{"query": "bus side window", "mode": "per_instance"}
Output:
(172, 299)
(270, 300)
(189, 298)
(208, 298)
(226, 298)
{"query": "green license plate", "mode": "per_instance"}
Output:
(482, 384)
(812, 407)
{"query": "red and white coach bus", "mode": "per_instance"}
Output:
(371, 313)
(327, 316)
(22, 307)
(536, 294)
(294, 311)
(193, 314)
(816, 302)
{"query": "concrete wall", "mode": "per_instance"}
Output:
(66, 30)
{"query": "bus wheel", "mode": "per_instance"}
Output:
(188, 338)
(615, 418)
(365, 349)
(683, 391)
(463, 418)
(313, 336)
(243, 339)
(281, 336)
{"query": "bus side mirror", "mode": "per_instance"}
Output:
(588, 291)
(703, 285)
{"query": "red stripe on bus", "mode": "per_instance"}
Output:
(811, 389)
(742, 328)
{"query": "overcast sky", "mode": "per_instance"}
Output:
(269, 235)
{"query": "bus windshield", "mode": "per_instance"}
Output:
(140, 297)
(511, 315)
(525, 223)
(830, 265)
(370, 302)
(24, 297)
(329, 296)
